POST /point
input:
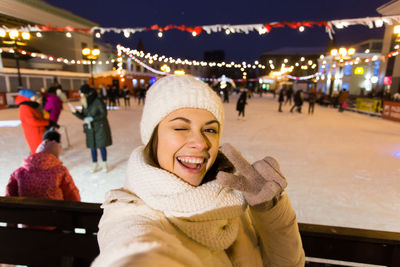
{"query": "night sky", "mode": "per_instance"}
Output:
(237, 47)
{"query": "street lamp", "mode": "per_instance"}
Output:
(16, 39)
(91, 54)
(340, 55)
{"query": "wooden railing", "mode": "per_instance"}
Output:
(71, 240)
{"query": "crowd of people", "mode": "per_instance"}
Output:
(336, 100)
(111, 94)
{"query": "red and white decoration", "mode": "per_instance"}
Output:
(261, 28)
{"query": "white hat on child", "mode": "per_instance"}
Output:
(49, 146)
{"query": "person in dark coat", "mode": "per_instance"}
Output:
(312, 98)
(226, 95)
(241, 103)
(298, 101)
(142, 95)
(127, 96)
(289, 93)
(96, 126)
(281, 98)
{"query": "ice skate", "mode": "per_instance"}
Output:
(94, 167)
(105, 167)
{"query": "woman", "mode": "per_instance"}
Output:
(96, 127)
(179, 205)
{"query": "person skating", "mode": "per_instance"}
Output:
(241, 104)
(289, 94)
(53, 104)
(182, 205)
(312, 98)
(281, 98)
(342, 98)
(96, 127)
(226, 95)
(298, 101)
(32, 121)
(127, 96)
(142, 95)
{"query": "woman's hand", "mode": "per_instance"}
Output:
(259, 182)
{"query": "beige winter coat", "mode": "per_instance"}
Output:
(167, 222)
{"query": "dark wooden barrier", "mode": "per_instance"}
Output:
(351, 245)
(64, 246)
(68, 246)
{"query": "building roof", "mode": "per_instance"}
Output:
(296, 51)
(389, 9)
(39, 12)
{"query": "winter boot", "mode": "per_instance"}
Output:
(94, 167)
(105, 166)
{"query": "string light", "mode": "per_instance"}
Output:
(68, 34)
(160, 34)
(301, 29)
(98, 35)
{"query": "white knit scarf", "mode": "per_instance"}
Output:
(208, 214)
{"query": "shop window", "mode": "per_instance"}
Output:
(377, 64)
(347, 70)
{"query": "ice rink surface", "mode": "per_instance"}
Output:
(340, 167)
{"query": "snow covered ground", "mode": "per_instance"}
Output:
(340, 167)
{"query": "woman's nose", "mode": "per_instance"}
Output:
(199, 141)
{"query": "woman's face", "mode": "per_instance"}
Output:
(188, 141)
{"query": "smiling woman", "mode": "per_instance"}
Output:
(188, 143)
(183, 204)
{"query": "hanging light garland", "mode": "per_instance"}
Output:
(127, 51)
(53, 58)
(150, 58)
(261, 28)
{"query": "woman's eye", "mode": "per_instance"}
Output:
(211, 131)
(180, 129)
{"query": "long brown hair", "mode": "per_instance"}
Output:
(150, 150)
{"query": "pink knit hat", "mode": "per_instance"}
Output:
(50, 146)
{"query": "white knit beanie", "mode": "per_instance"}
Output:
(175, 92)
(49, 146)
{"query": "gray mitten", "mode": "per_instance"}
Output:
(88, 120)
(259, 182)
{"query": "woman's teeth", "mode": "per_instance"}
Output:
(192, 163)
(191, 160)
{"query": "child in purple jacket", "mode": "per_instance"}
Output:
(53, 104)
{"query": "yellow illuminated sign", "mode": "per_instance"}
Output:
(359, 71)
(179, 72)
